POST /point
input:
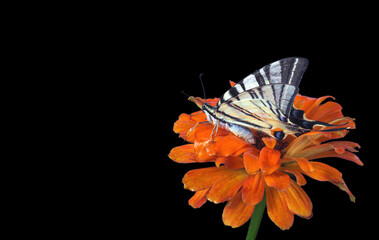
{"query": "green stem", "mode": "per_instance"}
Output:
(255, 220)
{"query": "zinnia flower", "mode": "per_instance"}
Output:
(243, 173)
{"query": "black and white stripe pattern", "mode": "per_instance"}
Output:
(277, 82)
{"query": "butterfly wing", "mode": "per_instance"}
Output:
(277, 82)
(257, 112)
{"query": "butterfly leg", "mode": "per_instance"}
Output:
(213, 136)
(190, 131)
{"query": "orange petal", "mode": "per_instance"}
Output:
(225, 189)
(342, 185)
(236, 212)
(183, 125)
(338, 146)
(298, 201)
(202, 132)
(204, 151)
(198, 199)
(327, 112)
(183, 154)
(304, 164)
(199, 179)
(312, 111)
(231, 162)
(198, 116)
(323, 172)
(300, 180)
(229, 145)
(270, 160)
(253, 189)
(277, 209)
(298, 145)
(303, 102)
(278, 180)
(346, 155)
(212, 101)
(251, 161)
(269, 141)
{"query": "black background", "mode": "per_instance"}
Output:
(338, 66)
(119, 81)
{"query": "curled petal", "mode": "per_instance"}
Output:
(236, 212)
(277, 209)
(298, 201)
(326, 112)
(231, 162)
(300, 180)
(278, 180)
(253, 189)
(342, 185)
(198, 199)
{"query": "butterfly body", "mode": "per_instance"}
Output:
(263, 101)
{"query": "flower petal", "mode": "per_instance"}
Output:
(277, 209)
(304, 164)
(270, 160)
(278, 180)
(300, 180)
(346, 155)
(313, 110)
(202, 132)
(199, 179)
(269, 142)
(251, 161)
(236, 212)
(327, 112)
(253, 189)
(231, 162)
(298, 145)
(204, 151)
(199, 198)
(229, 145)
(342, 185)
(298, 201)
(323, 172)
(338, 146)
(183, 154)
(183, 125)
(225, 189)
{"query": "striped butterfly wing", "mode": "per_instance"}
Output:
(277, 82)
(259, 113)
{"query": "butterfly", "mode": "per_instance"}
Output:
(263, 101)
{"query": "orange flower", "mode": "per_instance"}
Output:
(243, 173)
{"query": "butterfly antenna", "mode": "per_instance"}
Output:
(202, 85)
(185, 94)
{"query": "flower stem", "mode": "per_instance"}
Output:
(255, 220)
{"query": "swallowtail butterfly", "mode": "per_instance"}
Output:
(263, 101)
